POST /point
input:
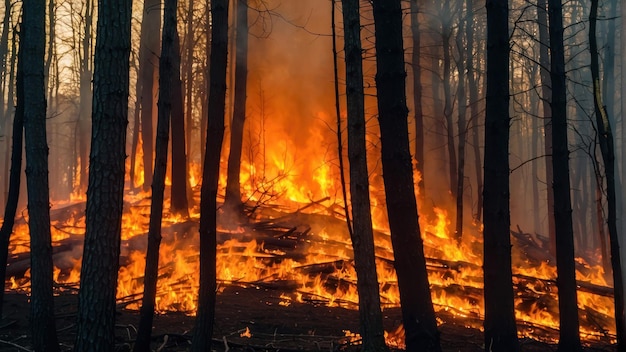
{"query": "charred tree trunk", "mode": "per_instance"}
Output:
(462, 128)
(417, 310)
(203, 330)
(417, 95)
(446, 35)
(189, 45)
(4, 109)
(15, 177)
(362, 236)
(84, 109)
(605, 136)
(569, 339)
(500, 328)
(42, 302)
(474, 111)
(232, 201)
(148, 66)
(546, 101)
(166, 78)
(99, 271)
(180, 179)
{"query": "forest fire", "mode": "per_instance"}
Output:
(299, 246)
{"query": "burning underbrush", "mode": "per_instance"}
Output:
(303, 253)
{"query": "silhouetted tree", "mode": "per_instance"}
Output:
(607, 148)
(166, 78)
(500, 329)
(42, 303)
(99, 271)
(371, 318)
(416, 65)
(418, 314)
(203, 330)
(15, 176)
(569, 339)
(232, 200)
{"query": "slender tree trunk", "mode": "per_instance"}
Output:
(51, 46)
(232, 201)
(180, 176)
(462, 128)
(500, 329)
(5, 108)
(203, 330)
(417, 310)
(42, 301)
(417, 95)
(605, 136)
(11, 95)
(546, 100)
(474, 108)
(15, 176)
(362, 235)
(99, 271)
(569, 339)
(148, 68)
(446, 34)
(189, 46)
(166, 78)
(135, 139)
(84, 109)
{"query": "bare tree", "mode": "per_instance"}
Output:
(42, 301)
(500, 328)
(416, 65)
(418, 314)
(569, 339)
(203, 330)
(99, 271)
(362, 235)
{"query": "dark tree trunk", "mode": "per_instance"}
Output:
(605, 137)
(417, 310)
(42, 302)
(232, 201)
(135, 140)
(189, 46)
(99, 271)
(462, 128)
(569, 339)
(446, 35)
(84, 109)
(148, 67)
(371, 319)
(203, 330)
(180, 179)
(166, 78)
(500, 329)
(546, 101)
(474, 111)
(417, 95)
(15, 177)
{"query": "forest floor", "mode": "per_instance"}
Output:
(248, 319)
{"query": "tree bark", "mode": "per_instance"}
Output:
(416, 303)
(15, 176)
(474, 110)
(569, 339)
(166, 80)
(99, 271)
(446, 34)
(500, 328)
(371, 320)
(232, 201)
(203, 330)
(42, 301)
(417, 95)
(462, 128)
(605, 137)
(148, 68)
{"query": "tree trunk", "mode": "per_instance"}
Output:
(417, 96)
(500, 329)
(474, 110)
(148, 68)
(569, 339)
(416, 303)
(546, 100)
(371, 319)
(84, 109)
(189, 46)
(462, 128)
(166, 81)
(446, 34)
(180, 176)
(42, 302)
(232, 202)
(15, 177)
(4, 109)
(99, 271)
(605, 137)
(203, 330)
